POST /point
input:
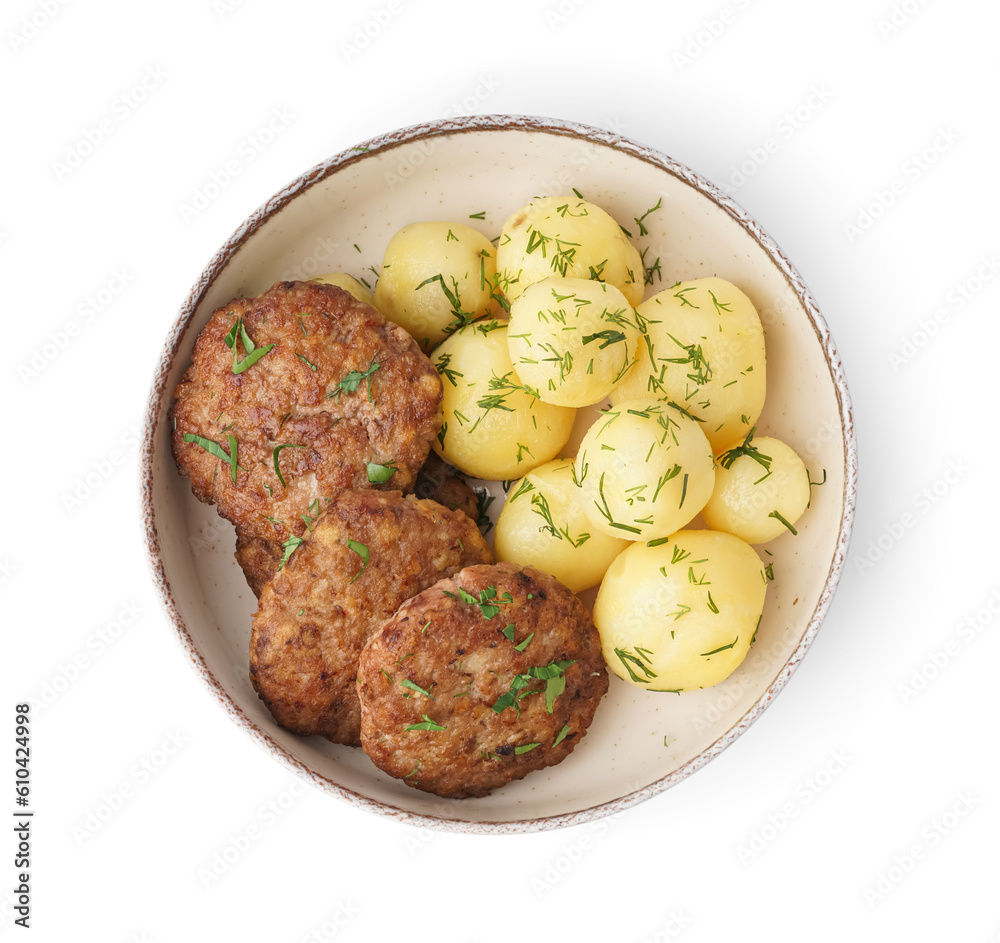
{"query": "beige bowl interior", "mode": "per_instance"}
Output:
(340, 216)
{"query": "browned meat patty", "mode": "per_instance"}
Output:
(258, 559)
(368, 553)
(479, 680)
(440, 482)
(272, 434)
(436, 480)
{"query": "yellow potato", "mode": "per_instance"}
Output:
(543, 524)
(572, 339)
(349, 283)
(761, 490)
(564, 235)
(493, 428)
(681, 614)
(436, 277)
(704, 349)
(645, 468)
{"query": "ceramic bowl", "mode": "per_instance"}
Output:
(339, 216)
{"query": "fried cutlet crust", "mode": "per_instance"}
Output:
(436, 480)
(431, 679)
(297, 399)
(316, 614)
(440, 482)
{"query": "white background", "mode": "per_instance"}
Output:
(864, 803)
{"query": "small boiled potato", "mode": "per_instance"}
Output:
(564, 235)
(492, 427)
(543, 524)
(755, 482)
(704, 349)
(349, 283)
(435, 277)
(645, 468)
(572, 339)
(681, 614)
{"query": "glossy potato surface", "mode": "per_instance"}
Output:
(680, 615)
(761, 490)
(492, 428)
(645, 470)
(543, 524)
(567, 236)
(436, 276)
(572, 339)
(704, 349)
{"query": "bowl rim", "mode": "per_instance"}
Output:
(375, 146)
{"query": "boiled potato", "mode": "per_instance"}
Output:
(645, 468)
(436, 277)
(572, 339)
(493, 427)
(564, 235)
(704, 349)
(349, 283)
(761, 490)
(680, 614)
(543, 524)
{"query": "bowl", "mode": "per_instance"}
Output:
(477, 170)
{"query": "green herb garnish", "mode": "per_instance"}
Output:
(488, 608)
(253, 353)
(352, 381)
(378, 474)
(775, 514)
(724, 648)
(428, 724)
(274, 458)
(213, 448)
(640, 660)
(726, 459)
(407, 683)
(553, 674)
(508, 633)
(290, 546)
(362, 551)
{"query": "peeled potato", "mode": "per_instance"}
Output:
(645, 469)
(704, 349)
(543, 524)
(761, 490)
(567, 236)
(572, 339)
(435, 277)
(493, 428)
(681, 614)
(349, 283)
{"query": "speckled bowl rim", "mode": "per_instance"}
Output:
(395, 139)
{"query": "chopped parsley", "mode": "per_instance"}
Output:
(407, 683)
(427, 724)
(488, 608)
(553, 674)
(238, 333)
(213, 448)
(274, 458)
(362, 551)
(289, 545)
(352, 381)
(377, 474)
(508, 633)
